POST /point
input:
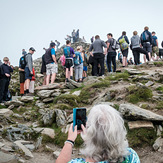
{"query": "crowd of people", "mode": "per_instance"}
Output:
(77, 60)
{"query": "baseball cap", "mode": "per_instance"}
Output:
(32, 49)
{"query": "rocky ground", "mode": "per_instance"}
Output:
(33, 129)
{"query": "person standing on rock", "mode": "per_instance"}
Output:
(6, 70)
(28, 69)
(111, 56)
(146, 41)
(69, 63)
(51, 64)
(57, 44)
(155, 48)
(74, 36)
(124, 44)
(43, 67)
(136, 49)
(22, 64)
(96, 50)
(78, 65)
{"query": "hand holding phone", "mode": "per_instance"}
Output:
(79, 118)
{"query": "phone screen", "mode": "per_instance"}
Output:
(80, 118)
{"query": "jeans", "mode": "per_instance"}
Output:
(111, 58)
(98, 59)
(79, 71)
(136, 54)
(4, 88)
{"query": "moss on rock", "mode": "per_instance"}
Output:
(138, 94)
(72, 100)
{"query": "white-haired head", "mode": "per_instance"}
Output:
(105, 138)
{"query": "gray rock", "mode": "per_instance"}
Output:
(1, 145)
(39, 142)
(49, 132)
(149, 83)
(20, 144)
(5, 112)
(14, 102)
(140, 124)
(45, 93)
(77, 93)
(132, 71)
(40, 104)
(17, 116)
(55, 94)
(48, 117)
(70, 118)
(48, 87)
(31, 147)
(11, 107)
(70, 86)
(27, 99)
(56, 154)
(74, 83)
(7, 158)
(60, 117)
(133, 112)
(158, 144)
(46, 100)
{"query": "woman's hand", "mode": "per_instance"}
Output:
(72, 134)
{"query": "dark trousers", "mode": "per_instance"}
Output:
(136, 54)
(98, 59)
(111, 58)
(4, 88)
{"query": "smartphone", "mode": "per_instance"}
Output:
(79, 117)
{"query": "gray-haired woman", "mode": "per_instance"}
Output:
(104, 139)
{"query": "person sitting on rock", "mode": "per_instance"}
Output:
(104, 139)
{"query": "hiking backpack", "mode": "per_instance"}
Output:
(67, 51)
(145, 37)
(77, 59)
(124, 45)
(22, 62)
(115, 45)
(63, 60)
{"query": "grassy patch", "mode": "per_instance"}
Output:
(145, 106)
(72, 100)
(159, 64)
(61, 106)
(76, 89)
(20, 111)
(159, 105)
(141, 137)
(138, 94)
(160, 89)
(2, 107)
(91, 90)
(116, 106)
(125, 75)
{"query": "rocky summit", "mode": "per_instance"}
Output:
(33, 129)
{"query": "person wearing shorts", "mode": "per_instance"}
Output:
(28, 69)
(51, 64)
(69, 63)
(155, 49)
(124, 52)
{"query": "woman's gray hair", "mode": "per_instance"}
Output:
(105, 137)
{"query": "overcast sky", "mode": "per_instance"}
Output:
(26, 23)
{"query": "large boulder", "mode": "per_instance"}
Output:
(48, 117)
(133, 112)
(5, 112)
(45, 93)
(27, 99)
(7, 158)
(61, 117)
(15, 102)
